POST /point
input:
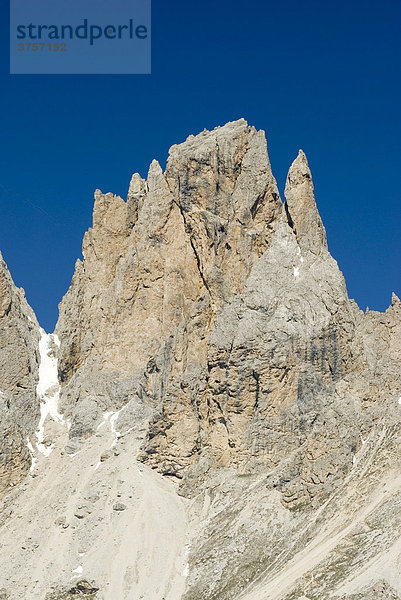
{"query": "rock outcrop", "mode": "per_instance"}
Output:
(205, 300)
(136, 323)
(209, 331)
(19, 361)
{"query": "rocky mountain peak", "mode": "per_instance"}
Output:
(226, 421)
(301, 210)
(395, 301)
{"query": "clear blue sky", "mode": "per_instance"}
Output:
(324, 76)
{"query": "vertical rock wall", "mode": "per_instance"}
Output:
(19, 405)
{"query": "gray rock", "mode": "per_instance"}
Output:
(19, 361)
(213, 318)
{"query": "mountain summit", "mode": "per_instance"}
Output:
(226, 421)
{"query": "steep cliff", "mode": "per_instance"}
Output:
(221, 391)
(19, 361)
(220, 312)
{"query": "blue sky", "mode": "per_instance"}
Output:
(323, 76)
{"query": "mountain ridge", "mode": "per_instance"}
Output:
(209, 331)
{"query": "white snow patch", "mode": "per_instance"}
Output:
(185, 572)
(111, 417)
(296, 272)
(106, 417)
(2, 393)
(301, 258)
(399, 400)
(117, 434)
(32, 451)
(79, 570)
(48, 388)
(128, 430)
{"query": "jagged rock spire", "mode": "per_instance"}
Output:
(136, 194)
(300, 205)
(215, 342)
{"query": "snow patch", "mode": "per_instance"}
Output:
(106, 417)
(185, 572)
(301, 258)
(116, 434)
(110, 417)
(399, 400)
(296, 272)
(32, 451)
(48, 388)
(79, 570)
(128, 430)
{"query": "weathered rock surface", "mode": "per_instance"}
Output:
(19, 359)
(137, 320)
(210, 330)
(206, 301)
(376, 592)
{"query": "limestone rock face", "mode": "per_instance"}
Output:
(380, 590)
(229, 201)
(220, 314)
(136, 322)
(19, 405)
(223, 403)
(206, 300)
(300, 206)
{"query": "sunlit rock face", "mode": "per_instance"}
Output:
(210, 359)
(207, 300)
